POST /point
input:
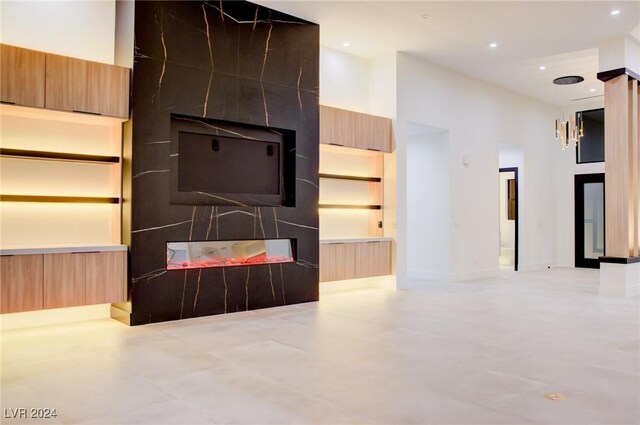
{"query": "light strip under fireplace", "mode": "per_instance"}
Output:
(198, 255)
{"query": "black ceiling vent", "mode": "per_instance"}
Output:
(570, 79)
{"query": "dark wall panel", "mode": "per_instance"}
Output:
(226, 61)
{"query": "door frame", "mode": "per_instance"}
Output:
(578, 195)
(517, 223)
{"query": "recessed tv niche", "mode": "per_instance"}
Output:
(216, 162)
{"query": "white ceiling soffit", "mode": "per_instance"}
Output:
(561, 35)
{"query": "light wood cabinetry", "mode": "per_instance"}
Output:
(21, 281)
(354, 130)
(337, 127)
(22, 76)
(64, 280)
(353, 260)
(42, 281)
(105, 277)
(44, 80)
(66, 83)
(89, 87)
(108, 90)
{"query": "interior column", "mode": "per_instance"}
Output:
(620, 267)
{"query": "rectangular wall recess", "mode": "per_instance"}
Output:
(198, 255)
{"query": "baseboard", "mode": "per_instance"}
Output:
(378, 282)
(532, 267)
(474, 275)
(427, 275)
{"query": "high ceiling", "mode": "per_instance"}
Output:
(562, 36)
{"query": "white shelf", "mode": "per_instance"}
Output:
(61, 249)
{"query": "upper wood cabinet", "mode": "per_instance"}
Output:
(108, 90)
(22, 76)
(354, 129)
(67, 83)
(89, 87)
(44, 80)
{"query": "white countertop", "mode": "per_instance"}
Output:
(60, 249)
(354, 240)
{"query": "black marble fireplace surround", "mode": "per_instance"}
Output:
(231, 69)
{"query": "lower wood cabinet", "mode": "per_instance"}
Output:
(21, 283)
(44, 281)
(352, 260)
(106, 277)
(64, 280)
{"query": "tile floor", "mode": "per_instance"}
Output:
(481, 352)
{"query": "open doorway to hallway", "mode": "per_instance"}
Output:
(508, 257)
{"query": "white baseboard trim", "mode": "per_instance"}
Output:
(378, 282)
(531, 267)
(427, 275)
(475, 274)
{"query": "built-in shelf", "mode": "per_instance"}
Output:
(350, 207)
(58, 156)
(60, 199)
(345, 177)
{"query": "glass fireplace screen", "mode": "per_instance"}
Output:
(197, 255)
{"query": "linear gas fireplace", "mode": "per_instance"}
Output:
(199, 255)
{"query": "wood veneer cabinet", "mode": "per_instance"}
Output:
(106, 277)
(42, 281)
(353, 260)
(21, 282)
(354, 129)
(22, 76)
(77, 85)
(64, 280)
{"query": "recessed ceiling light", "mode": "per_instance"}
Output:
(592, 90)
(493, 45)
(346, 44)
(615, 12)
(542, 67)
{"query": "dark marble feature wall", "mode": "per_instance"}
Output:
(228, 61)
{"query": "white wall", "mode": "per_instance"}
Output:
(82, 29)
(428, 203)
(344, 80)
(480, 118)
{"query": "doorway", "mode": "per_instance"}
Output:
(509, 217)
(589, 220)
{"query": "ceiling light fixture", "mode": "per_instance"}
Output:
(493, 45)
(542, 67)
(346, 44)
(615, 12)
(592, 90)
(570, 131)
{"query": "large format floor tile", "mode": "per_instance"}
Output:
(478, 352)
